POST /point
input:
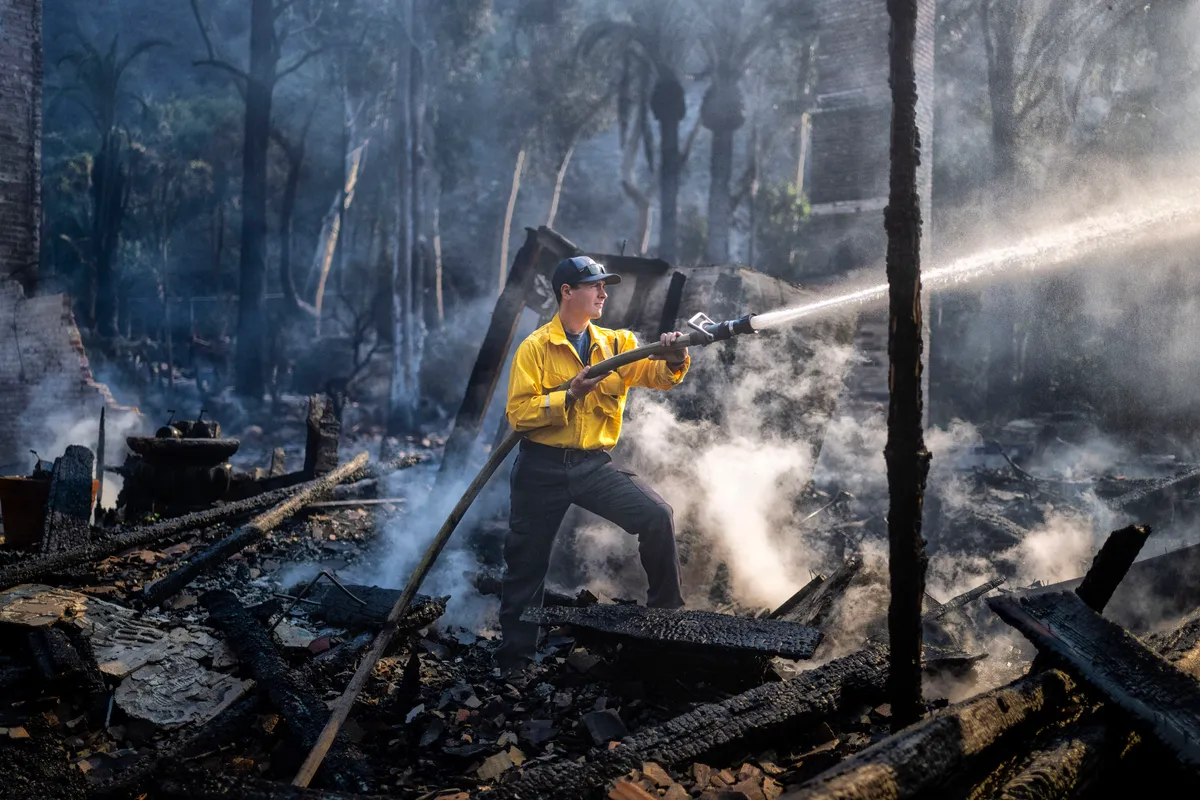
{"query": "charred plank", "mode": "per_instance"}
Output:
(814, 610)
(806, 591)
(250, 533)
(964, 599)
(759, 715)
(33, 569)
(300, 704)
(692, 628)
(922, 757)
(1162, 700)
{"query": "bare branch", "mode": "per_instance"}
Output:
(212, 54)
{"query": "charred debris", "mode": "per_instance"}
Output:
(195, 639)
(175, 657)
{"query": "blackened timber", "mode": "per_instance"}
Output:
(302, 706)
(33, 569)
(1108, 569)
(489, 364)
(1162, 700)
(755, 717)
(799, 597)
(693, 628)
(338, 608)
(69, 508)
(250, 533)
(1070, 765)
(814, 610)
(323, 430)
(1109, 566)
(919, 760)
(905, 453)
(964, 599)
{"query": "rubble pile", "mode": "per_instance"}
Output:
(200, 655)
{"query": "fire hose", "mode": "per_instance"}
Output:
(704, 332)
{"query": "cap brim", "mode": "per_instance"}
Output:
(607, 277)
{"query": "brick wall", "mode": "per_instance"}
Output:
(851, 131)
(44, 374)
(20, 138)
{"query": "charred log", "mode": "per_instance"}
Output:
(1159, 697)
(300, 704)
(688, 628)
(248, 534)
(923, 757)
(754, 717)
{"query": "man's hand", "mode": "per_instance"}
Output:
(675, 358)
(582, 384)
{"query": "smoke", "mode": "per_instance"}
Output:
(733, 475)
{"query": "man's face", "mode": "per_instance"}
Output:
(587, 299)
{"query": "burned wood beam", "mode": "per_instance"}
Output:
(799, 597)
(964, 599)
(1109, 566)
(69, 508)
(489, 364)
(321, 443)
(1108, 569)
(1069, 765)
(35, 568)
(1074, 759)
(338, 608)
(815, 608)
(250, 533)
(302, 706)
(1162, 700)
(757, 716)
(691, 628)
(922, 758)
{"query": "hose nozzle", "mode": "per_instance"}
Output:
(707, 331)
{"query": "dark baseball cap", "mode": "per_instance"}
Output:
(581, 269)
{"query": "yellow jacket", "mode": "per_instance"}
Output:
(547, 360)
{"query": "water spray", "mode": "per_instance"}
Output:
(704, 332)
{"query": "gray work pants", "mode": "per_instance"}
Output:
(543, 488)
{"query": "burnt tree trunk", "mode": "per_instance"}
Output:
(251, 330)
(905, 453)
(108, 211)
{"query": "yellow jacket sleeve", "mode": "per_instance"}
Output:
(529, 405)
(647, 373)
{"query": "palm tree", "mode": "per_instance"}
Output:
(97, 89)
(905, 453)
(735, 34)
(651, 47)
